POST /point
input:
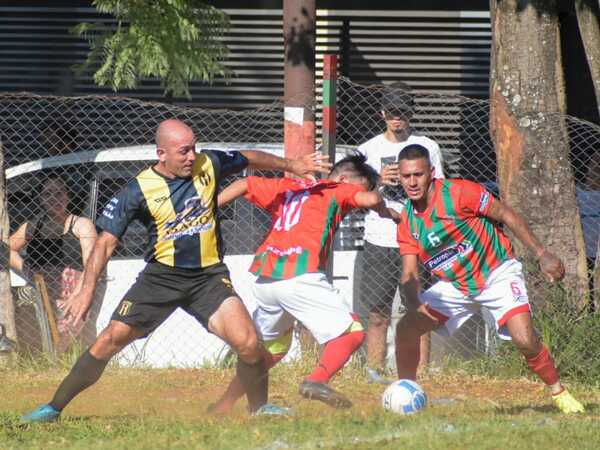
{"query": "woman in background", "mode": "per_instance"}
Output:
(57, 244)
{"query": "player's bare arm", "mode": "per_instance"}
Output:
(411, 285)
(550, 264)
(373, 200)
(234, 190)
(79, 304)
(305, 166)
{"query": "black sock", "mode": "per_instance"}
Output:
(255, 379)
(84, 373)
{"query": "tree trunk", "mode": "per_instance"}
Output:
(527, 126)
(7, 311)
(588, 13)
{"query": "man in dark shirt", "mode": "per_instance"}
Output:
(176, 200)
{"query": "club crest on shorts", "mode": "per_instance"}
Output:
(227, 282)
(125, 308)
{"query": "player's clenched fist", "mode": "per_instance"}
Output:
(552, 266)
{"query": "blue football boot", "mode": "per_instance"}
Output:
(41, 414)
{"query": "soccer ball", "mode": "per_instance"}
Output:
(404, 397)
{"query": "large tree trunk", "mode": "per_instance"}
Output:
(588, 14)
(7, 311)
(527, 126)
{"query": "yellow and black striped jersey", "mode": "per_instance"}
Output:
(179, 213)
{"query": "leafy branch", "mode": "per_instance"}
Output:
(177, 41)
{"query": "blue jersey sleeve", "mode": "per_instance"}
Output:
(227, 162)
(121, 210)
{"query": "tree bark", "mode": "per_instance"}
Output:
(588, 13)
(7, 311)
(527, 125)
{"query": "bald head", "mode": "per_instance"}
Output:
(175, 148)
(171, 129)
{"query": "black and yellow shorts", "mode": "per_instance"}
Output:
(159, 290)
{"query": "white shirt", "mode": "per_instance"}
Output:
(380, 152)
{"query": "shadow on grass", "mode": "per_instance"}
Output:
(11, 422)
(522, 410)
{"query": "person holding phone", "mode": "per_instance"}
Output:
(378, 266)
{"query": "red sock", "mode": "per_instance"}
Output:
(543, 366)
(335, 354)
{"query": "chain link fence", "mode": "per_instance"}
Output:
(66, 157)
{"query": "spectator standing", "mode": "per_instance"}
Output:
(378, 266)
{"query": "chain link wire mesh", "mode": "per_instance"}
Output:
(65, 159)
(94, 145)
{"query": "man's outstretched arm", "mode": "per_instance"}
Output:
(305, 166)
(233, 191)
(373, 200)
(550, 264)
(79, 304)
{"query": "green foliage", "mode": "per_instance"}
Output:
(177, 41)
(572, 335)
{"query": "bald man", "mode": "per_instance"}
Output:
(175, 200)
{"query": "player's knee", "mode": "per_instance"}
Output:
(247, 346)
(106, 345)
(112, 340)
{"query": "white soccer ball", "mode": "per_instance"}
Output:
(404, 397)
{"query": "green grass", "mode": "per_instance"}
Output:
(149, 409)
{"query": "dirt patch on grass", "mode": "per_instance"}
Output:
(187, 393)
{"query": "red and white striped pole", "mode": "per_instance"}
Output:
(329, 123)
(329, 105)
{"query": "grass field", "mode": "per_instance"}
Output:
(153, 409)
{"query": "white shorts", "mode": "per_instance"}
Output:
(504, 295)
(309, 298)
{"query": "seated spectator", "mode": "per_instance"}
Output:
(61, 139)
(57, 244)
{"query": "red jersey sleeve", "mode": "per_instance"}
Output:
(263, 191)
(474, 199)
(407, 243)
(346, 193)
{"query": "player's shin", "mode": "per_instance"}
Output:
(408, 353)
(337, 352)
(86, 371)
(543, 366)
(273, 351)
(254, 378)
